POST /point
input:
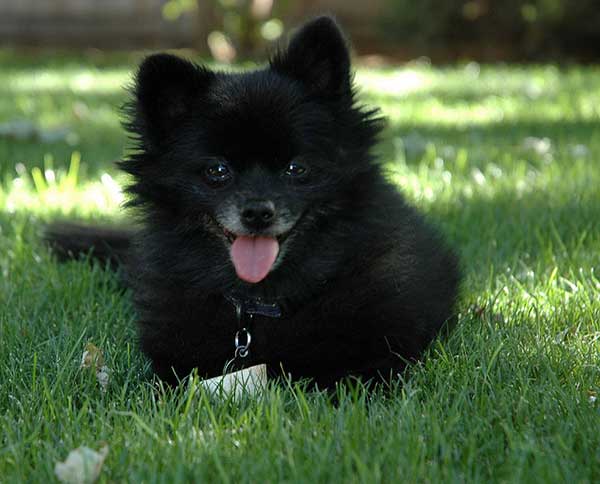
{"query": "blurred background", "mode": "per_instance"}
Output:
(233, 30)
(472, 90)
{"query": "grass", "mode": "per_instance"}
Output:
(504, 158)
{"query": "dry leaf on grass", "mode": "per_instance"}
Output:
(82, 465)
(92, 358)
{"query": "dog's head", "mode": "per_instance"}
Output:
(252, 160)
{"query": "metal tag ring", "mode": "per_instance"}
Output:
(241, 350)
(248, 338)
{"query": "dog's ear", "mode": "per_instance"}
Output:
(167, 89)
(318, 56)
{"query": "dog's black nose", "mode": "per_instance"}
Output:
(258, 214)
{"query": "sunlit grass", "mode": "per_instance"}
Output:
(76, 81)
(46, 191)
(505, 159)
(474, 94)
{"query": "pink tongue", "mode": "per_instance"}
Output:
(253, 257)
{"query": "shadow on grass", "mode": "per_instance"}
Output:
(522, 233)
(488, 140)
(90, 124)
(503, 131)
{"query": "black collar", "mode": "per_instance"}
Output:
(253, 306)
(245, 310)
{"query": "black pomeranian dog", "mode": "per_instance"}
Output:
(269, 233)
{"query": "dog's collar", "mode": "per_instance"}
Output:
(245, 310)
(253, 306)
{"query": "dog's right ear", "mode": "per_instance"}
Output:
(166, 90)
(317, 55)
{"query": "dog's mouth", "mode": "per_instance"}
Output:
(230, 236)
(253, 255)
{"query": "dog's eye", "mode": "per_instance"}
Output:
(295, 169)
(218, 173)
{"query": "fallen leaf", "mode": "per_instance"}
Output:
(94, 359)
(82, 465)
(102, 375)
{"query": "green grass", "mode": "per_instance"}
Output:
(505, 159)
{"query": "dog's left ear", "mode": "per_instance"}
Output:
(318, 56)
(167, 89)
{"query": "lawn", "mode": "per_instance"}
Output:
(505, 159)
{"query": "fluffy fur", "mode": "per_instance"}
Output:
(364, 283)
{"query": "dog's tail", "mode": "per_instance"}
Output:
(69, 240)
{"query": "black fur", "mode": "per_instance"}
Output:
(109, 245)
(363, 282)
